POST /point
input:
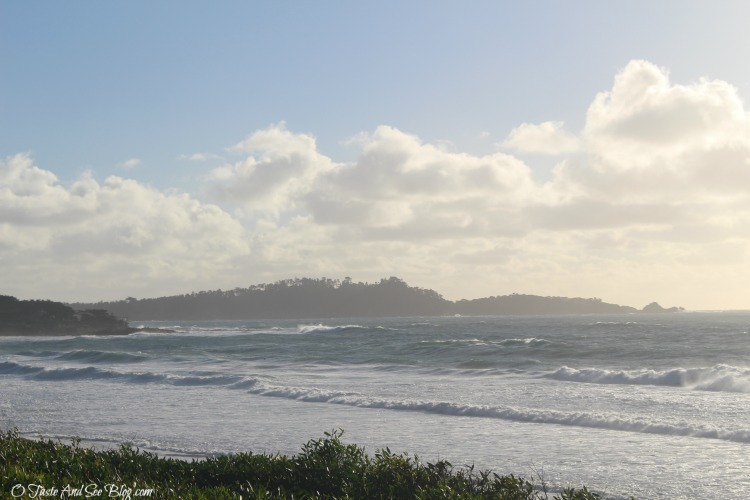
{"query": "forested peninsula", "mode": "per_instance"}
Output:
(45, 317)
(332, 298)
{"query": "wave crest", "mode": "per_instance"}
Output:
(720, 378)
(321, 328)
(577, 419)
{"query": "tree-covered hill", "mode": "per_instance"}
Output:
(292, 298)
(45, 317)
(534, 304)
(329, 298)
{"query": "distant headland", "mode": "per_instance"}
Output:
(299, 298)
(45, 317)
(306, 298)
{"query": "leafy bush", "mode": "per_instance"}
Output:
(325, 468)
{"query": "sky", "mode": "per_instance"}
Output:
(580, 149)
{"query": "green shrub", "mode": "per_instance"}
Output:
(325, 468)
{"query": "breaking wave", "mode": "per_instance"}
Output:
(717, 378)
(321, 328)
(720, 378)
(577, 419)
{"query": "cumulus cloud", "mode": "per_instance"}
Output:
(657, 175)
(648, 202)
(545, 138)
(401, 187)
(397, 187)
(651, 141)
(280, 168)
(645, 109)
(119, 234)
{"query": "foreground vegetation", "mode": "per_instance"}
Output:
(325, 468)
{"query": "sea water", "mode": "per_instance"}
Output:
(654, 406)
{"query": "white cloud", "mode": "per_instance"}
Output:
(416, 189)
(546, 138)
(129, 164)
(93, 238)
(650, 141)
(649, 203)
(630, 197)
(280, 168)
(200, 157)
(646, 118)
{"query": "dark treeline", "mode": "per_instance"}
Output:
(292, 298)
(329, 298)
(534, 304)
(45, 317)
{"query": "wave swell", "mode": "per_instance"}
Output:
(94, 373)
(720, 378)
(321, 328)
(261, 387)
(577, 419)
(101, 357)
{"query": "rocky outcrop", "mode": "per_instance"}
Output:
(654, 307)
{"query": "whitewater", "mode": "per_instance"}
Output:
(649, 405)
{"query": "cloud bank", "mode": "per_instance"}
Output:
(95, 239)
(648, 202)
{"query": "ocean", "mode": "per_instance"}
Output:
(654, 406)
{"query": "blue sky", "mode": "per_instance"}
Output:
(141, 90)
(89, 85)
